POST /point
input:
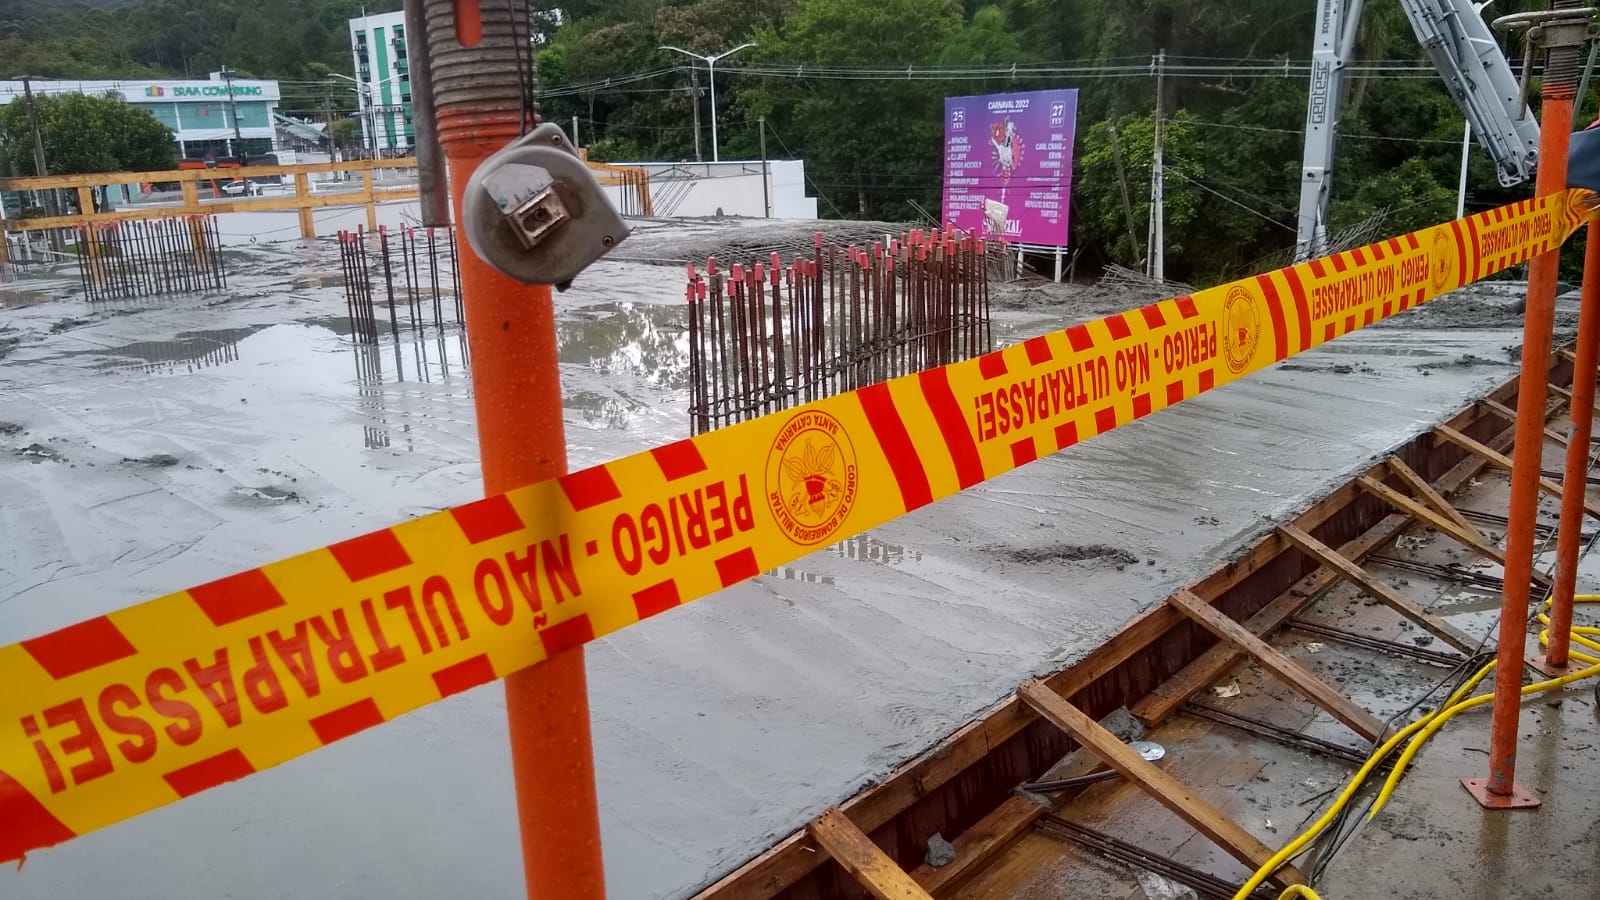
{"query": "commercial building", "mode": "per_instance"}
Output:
(383, 82)
(206, 121)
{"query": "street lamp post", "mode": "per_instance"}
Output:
(367, 98)
(711, 65)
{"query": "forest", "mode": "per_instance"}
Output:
(856, 88)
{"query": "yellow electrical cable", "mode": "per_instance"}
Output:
(1423, 729)
(1299, 890)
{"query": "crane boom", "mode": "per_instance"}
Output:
(1475, 72)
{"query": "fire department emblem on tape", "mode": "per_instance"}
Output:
(1241, 328)
(1444, 258)
(811, 477)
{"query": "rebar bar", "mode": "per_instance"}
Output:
(768, 336)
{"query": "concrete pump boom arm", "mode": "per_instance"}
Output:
(1474, 69)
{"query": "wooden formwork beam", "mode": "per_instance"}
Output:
(857, 854)
(1163, 788)
(1428, 495)
(1379, 589)
(1500, 460)
(1510, 415)
(1279, 665)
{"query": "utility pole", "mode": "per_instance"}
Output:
(766, 196)
(233, 111)
(1122, 183)
(694, 93)
(1158, 222)
(39, 167)
(575, 141)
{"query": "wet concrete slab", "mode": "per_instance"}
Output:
(720, 727)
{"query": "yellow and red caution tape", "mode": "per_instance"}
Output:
(123, 713)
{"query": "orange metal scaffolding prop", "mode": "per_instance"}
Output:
(517, 391)
(1575, 483)
(1498, 790)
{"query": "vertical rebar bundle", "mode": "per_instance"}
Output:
(772, 335)
(149, 258)
(415, 270)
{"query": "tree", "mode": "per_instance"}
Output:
(84, 134)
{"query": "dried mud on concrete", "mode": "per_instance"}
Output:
(149, 447)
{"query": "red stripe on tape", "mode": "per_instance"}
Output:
(1358, 256)
(1349, 323)
(1476, 257)
(1174, 393)
(574, 632)
(679, 459)
(1338, 263)
(347, 720)
(1378, 252)
(1412, 242)
(1317, 269)
(25, 823)
(736, 567)
(464, 675)
(1023, 452)
(1329, 332)
(1141, 405)
(1080, 339)
(1152, 315)
(1105, 419)
(236, 597)
(1186, 306)
(887, 426)
(1118, 326)
(1280, 326)
(992, 365)
(1388, 308)
(589, 488)
(209, 772)
(370, 555)
(1208, 380)
(1038, 350)
(1461, 250)
(79, 648)
(952, 425)
(656, 599)
(1394, 246)
(1302, 309)
(487, 519)
(1367, 317)
(1066, 435)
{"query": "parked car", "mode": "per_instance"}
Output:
(244, 187)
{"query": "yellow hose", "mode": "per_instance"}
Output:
(1299, 890)
(1418, 733)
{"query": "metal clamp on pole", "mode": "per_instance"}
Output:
(535, 211)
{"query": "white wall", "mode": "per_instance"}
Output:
(690, 189)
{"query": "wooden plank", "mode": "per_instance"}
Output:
(178, 176)
(1428, 495)
(1440, 523)
(1282, 667)
(1502, 461)
(195, 207)
(979, 844)
(1165, 789)
(859, 856)
(1510, 415)
(1380, 589)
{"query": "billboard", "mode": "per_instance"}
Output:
(1008, 165)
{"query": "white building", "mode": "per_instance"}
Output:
(383, 82)
(206, 120)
